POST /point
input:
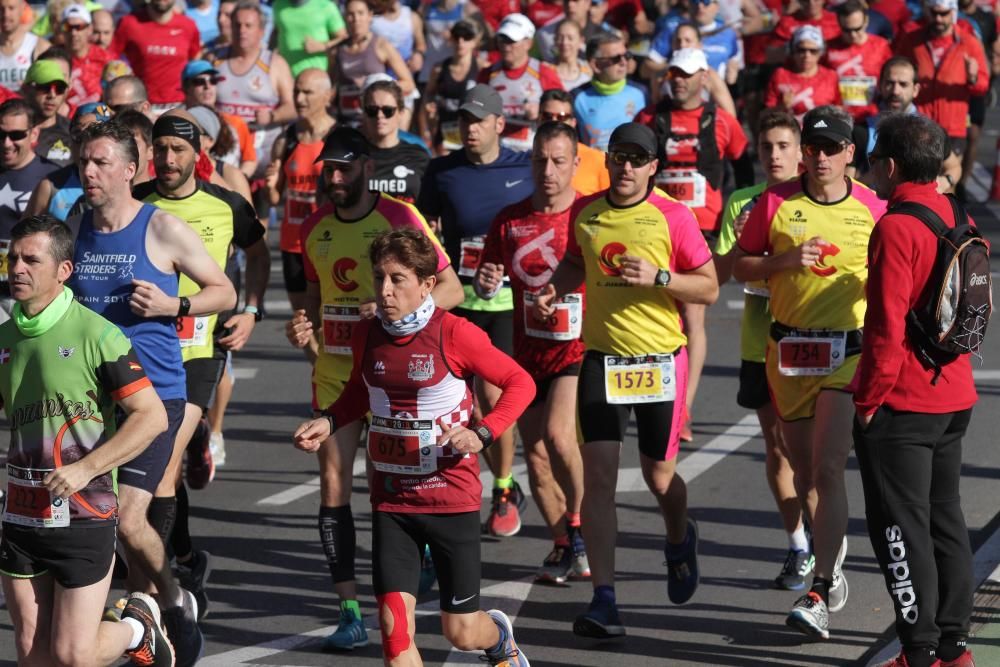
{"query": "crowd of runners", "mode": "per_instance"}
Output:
(500, 225)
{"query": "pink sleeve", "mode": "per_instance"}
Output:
(756, 236)
(870, 200)
(688, 249)
(400, 214)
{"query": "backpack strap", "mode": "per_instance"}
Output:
(924, 214)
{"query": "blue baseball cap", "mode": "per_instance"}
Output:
(98, 109)
(197, 68)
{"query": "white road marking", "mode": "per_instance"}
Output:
(735, 304)
(982, 375)
(244, 373)
(306, 488)
(977, 186)
(277, 307)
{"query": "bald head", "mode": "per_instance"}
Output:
(103, 26)
(313, 91)
(127, 92)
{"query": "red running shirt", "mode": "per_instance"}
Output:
(807, 92)
(157, 52)
(427, 376)
(858, 67)
(85, 77)
(530, 246)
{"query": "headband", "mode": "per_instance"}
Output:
(176, 126)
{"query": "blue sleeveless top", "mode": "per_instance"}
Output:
(105, 265)
(66, 182)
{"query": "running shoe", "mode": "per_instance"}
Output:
(350, 633)
(154, 649)
(557, 566)
(600, 621)
(508, 655)
(809, 616)
(580, 566)
(200, 467)
(217, 448)
(193, 576)
(428, 573)
(838, 587)
(505, 515)
(901, 661)
(964, 660)
(793, 573)
(181, 624)
(682, 566)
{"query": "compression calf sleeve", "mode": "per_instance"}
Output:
(162, 514)
(180, 539)
(336, 531)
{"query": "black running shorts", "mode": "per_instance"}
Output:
(498, 325)
(753, 394)
(76, 556)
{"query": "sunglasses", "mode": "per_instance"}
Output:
(614, 60)
(387, 111)
(635, 159)
(557, 117)
(204, 81)
(463, 35)
(504, 40)
(77, 27)
(828, 148)
(53, 87)
(15, 135)
(802, 51)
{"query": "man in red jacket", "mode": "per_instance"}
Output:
(909, 428)
(951, 68)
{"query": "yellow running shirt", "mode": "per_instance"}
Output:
(623, 319)
(335, 254)
(831, 294)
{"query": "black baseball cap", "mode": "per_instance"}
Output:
(636, 134)
(826, 128)
(344, 144)
(481, 101)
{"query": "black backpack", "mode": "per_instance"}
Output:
(954, 319)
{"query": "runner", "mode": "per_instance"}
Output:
(399, 165)
(128, 92)
(335, 242)
(780, 152)
(158, 40)
(18, 46)
(304, 30)
(20, 171)
(46, 87)
(857, 58)
(446, 88)
(425, 494)
(220, 217)
(897, 88)
(639, 252)
(88, 58)
(609, 99)
(526, 242)
(803, 84)
(127, 248)
(463, 192)
(814, 232)
(56, 557)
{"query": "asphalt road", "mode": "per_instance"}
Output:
(272, 599)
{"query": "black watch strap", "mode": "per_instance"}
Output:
(185, 307)
(484, 435)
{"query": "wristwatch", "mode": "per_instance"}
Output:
(332, 422)
(662, 278)
(255, 311)
(185, 307)
(484, 436)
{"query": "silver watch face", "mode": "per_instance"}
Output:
(662, 277)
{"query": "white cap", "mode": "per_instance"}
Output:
(517, 27)
(76, 12)
(808, 33)
(689, 60)
(943, 4)
(375, 78)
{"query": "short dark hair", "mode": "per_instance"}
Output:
(16, 106)
(772, 119)
(685, 24)
(137, 122)
(600, 39)
(557, 94)
(850, 7)
(410, 247)
(916, 143)
(390, 87)
(61, 238)
(118, 133)
(551, 129)
(897, 61)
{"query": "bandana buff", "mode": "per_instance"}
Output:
(413, 322)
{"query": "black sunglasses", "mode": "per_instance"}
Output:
(204, 81)
(804, 51)
(558, 117)
(614, 60)
(15, 135)
(54, 87)
(387, 111)
(828, 148)
(635, 159)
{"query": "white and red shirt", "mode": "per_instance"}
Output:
(416, 387)
(157, 52)
(808, 92)
(530, 244)
(858, 67)
(518, 88)
(85, 77)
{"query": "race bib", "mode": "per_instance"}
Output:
(192, 331)
(564, 324)
(451, 136)
(402, 446)
(350, 99)
(800, 355)
(470, 255)
(29, 503)
(857, 91)
(338, 328)
(646, 379)
(4, 249)
(684, 185)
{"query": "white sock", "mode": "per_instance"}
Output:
(138, 630)
(798, 541)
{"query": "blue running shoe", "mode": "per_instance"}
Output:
(350, 634)
(682, 566)
(581, 566)
(601, 621)
(508, 655)
(428, 573)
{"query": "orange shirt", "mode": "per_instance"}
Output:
(592, 174)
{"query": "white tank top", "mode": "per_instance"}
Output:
(244, 95)
(399, 32)
(15, 66)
